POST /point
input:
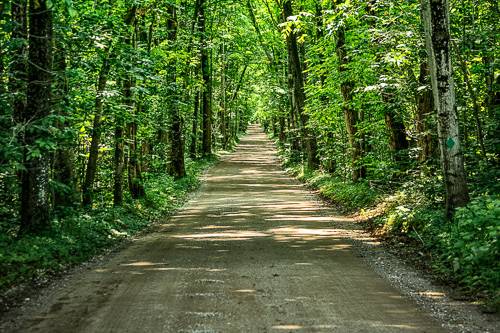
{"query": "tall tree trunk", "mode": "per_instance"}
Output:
(350, 115)
(133, 164)
(223, 111)
(489, 77)
(118, 162)
(35, 204)
(177, 168)
(18, 69)
(424, 112)
(135, 180)
(475, 102)
(193, 149)
(397, 131)
(206, 93)
(88, 183)
(299, 96)
(64, 155)
(437, 31)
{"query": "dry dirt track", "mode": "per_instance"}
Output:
(250, 253)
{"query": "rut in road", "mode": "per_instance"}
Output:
(251, 252)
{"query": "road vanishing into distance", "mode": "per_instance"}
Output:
(252, 251)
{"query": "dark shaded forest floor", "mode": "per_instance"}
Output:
(253, 251)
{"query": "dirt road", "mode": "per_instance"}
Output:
(251, 252)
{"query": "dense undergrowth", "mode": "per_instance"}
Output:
(463, 252)
(77, 234)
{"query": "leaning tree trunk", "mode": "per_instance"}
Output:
(35, 204)
(88, 183)
(437, 31)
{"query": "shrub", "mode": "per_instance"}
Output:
(470, 245)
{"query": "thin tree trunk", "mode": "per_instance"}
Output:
(35, 204)
(424, 112)
(118, 163)
(178, 168)
(222, 124)
(490, 83)
(64, 155)
(88, 183)
(397, 131)
(135, 180)
(437, 30)
(350, 115)
(206, 93)
(475, 103)
(193, 149)
(18, 68)
(298, 92)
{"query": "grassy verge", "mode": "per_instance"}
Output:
(79, 235)
(464, 252)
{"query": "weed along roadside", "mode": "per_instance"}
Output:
(80, 234)
(408, 216)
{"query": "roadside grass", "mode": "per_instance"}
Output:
(463, 252)
(77, 235)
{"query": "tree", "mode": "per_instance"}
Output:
(437, 32)
(298, 93)
(35, 204)
(205, 95)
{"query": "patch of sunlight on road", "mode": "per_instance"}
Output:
(287, 327)
(186, 269)
(245, 291)
(300, 218)
(335, 247)
(145, 264)
(223, 236)
(432, 294)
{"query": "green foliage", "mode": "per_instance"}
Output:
(78, 235)
(470, 247)
(346, 195)
(350, 196)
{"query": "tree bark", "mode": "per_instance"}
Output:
(35, 204)
(437, 31)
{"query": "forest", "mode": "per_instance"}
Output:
(111, 110)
